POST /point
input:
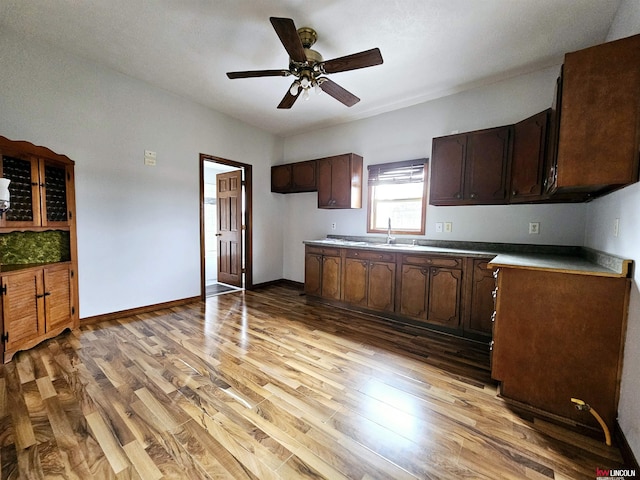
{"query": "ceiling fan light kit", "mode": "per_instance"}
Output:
(308, 66)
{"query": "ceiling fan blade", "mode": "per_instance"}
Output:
(336, 91)
(259, 73)
(368, 58)
(288, 34)
(288, 100)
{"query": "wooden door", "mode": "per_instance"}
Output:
(229, 222)
(57, 291)
(331, 276)
(355, 281)
(22, 308)
(413, 294)
(487, 166)
(447, 169)
(444, 297)
(381, 288)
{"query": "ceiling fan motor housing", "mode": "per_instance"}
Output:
(308, 36)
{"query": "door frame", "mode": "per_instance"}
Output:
(247, 251)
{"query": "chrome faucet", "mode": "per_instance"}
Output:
(390, 239)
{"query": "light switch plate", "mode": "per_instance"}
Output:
(150, 158)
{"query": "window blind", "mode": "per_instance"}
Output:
(408, 171)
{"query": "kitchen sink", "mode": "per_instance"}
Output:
(393, 245)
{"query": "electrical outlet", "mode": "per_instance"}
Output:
(439, 227)
(616, 227)
(534, 228)
(333, 226)
(448, 227)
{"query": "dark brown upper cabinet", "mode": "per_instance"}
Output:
(598, 137)
(294, 177)
(340, 181)
(528, 158)
(471, 168)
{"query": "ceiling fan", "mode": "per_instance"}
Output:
(308, 66)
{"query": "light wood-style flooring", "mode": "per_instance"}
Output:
(270, 384)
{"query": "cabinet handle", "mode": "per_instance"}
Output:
(495, 293)
(473, 195)
(458, 196)
(45, 294)
(491, 346)
(514, 193)
(493, 316)
(495, 273)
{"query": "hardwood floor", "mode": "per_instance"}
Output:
(270, 384)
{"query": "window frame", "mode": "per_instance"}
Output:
(370, 203)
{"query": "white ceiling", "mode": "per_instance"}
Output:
(430, 48)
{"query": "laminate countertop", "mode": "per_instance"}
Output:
(562, 259)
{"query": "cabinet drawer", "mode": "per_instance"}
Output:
(323, 250)
(368, 255)
(432, 261)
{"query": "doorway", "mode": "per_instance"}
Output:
(213, 254)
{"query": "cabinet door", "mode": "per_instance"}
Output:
(599, 127)
(381, 288)
(313, 274)
(444, 297)
(53, 194)
(334, 182)
(447, 169)
(281, 178)
(303, 176)
(57, 297)
(23, 172)
(355, 281)
(414, 285)
(487, 166)
(22, 308)
(331, 271)
(528, 158)
(481, 301)
(340, 181)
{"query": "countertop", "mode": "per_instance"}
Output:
(573, 260)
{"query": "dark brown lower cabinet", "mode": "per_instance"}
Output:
(369, 279)
(430, 289)
(479, 287)
(323, 272)
(453, 294)
(559, 336)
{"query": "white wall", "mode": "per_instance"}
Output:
(407, 134)
(138, 226)
(601, 214)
